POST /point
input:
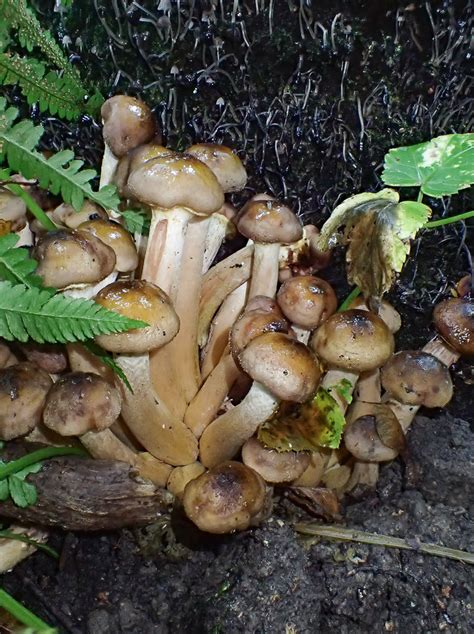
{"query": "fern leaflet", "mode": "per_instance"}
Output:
(53, 93)
(60, 174)
(16, 266)
(32, 313)
(136, 221)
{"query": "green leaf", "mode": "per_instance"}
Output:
(16, 266)
(344, 389)
(32, 468)
(22, 493)
(4, 490)
(440, 167)
(295, 427)
(136, 221)
(60, 174)
(52, 93)
(377, 229)
(32, 313)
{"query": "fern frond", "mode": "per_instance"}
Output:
(32, 313)
(7, 117)
(16, 266)
(60, 174)
(53, 93)
(136, 221)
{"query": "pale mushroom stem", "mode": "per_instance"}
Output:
(444, 353)
(221, 326)
(218, 283)
(108, 167)
(223, 438)
(216, 233)
(204, 407)
(162, 434)
(264, 280)
(302, 334)
(13, 551)
(183, 351)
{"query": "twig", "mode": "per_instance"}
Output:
(350, 535)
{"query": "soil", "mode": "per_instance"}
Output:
(314, 118)
(272, 580)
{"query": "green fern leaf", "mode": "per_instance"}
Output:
(53, 93)
(136, 221)
(16, 266)
(32, 313)
(60, 174)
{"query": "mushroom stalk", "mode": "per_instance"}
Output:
(223, 438)
(108, 167)
(163, 435)
(265, 268)
(204, 407)
(221, 325)
(216, 233)
(444, 353)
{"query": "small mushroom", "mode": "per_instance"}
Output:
(12, 211)
(49, 357)
(181, 476)
(274, 466)
(117, 238)
(162, 434)
(228, 498)
(66, 216)
(306, 301)
(454, 320)
(251, 324)
(128, 122)
(23, 391)
(75, 261)
(364, 442)
(269, 224)
(415, 377)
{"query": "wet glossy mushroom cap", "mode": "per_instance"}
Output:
(272, 465)
(23, 390)
(454, 320)
(269, 221)
(226, 165)
(415, 377)
(12, 210)
(128, 122)
(80, 402)
(253, 323)
(67, 257)
(117, 237)
(134, 159)
(386, 312)
(229, 497)
(142, 300)
(66, 214)
(364, 443)
(306, 300)
(355, 340)
(283, 365)
(173, 180)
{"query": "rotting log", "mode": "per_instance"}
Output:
(90, 495)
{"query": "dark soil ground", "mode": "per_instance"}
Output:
(314, 118)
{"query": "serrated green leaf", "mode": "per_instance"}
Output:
(440, 167)
(377, 229)
(33, 313)
(60, 174)
(136, 221)
(16, 266)
(4, 490)
(22, 493)
(308, 426)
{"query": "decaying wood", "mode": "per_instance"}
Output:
(90, 495)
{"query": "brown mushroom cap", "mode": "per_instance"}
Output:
(68, 257)
(226, 165)
(283, 365)
(415, 377)
(12, 210)
(135, 159)
(49, 357)
(269, 221)
(80, 402)
(174, 180)
(117, 237)
(181, 476)
(253, 323)
(272, 465)
(138, 299)
(364, 443)
(354, 340)
(23, 390)
(454, 320)
(229, 497)
(128, 122)
(307, 300)
(66, 214)
(385, 311)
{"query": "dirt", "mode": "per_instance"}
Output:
(272, 580)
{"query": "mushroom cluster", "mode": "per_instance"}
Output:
(227, 343)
